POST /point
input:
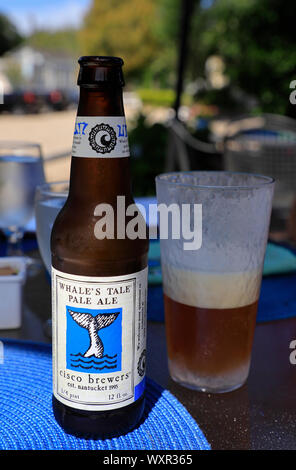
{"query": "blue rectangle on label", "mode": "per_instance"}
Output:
(94, 340)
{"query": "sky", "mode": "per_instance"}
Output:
(28, 15)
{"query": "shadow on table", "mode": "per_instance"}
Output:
(223, 418)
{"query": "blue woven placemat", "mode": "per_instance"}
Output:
(27, 421)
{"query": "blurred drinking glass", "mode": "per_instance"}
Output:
(49, 199)
(211, 294)
(21, 170)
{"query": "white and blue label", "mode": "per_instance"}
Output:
(100, 137)
(99, 339)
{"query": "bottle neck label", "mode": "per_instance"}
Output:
(100, 137)
(99, 339)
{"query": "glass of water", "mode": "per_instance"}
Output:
(49, 200)
(21, 171)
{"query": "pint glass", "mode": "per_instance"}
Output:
(211, 288)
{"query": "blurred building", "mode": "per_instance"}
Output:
(29, 67)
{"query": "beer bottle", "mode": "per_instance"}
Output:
(99, 281)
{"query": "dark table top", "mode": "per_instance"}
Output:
(260, 415)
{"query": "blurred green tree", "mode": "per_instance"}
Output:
(9, 36)
(121, 28)
(148, 147)
(256, 40)
(65, 40)
(166, 26)
(145, 33)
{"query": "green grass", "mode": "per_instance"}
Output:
(161, 97)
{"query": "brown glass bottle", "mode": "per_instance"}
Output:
(97, 177)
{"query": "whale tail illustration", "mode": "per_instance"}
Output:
(93, 325)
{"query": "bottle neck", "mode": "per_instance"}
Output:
(100, 101)
(100, 179)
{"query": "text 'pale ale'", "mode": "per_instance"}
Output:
(99, 285)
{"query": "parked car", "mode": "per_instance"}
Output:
(19, 101)
(22, 101)
(57, 100)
